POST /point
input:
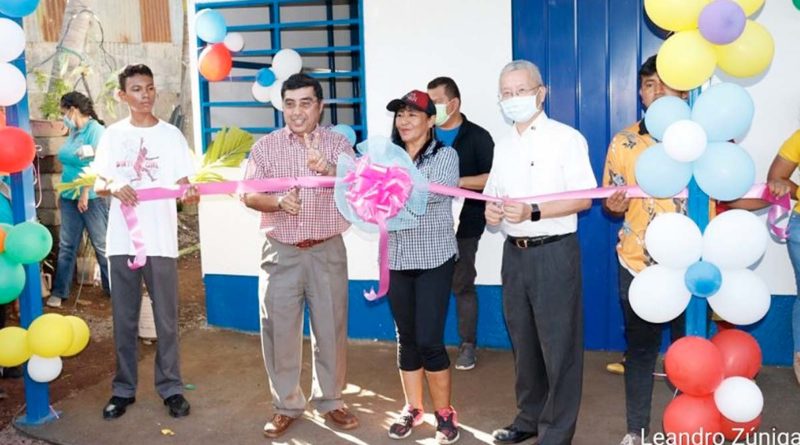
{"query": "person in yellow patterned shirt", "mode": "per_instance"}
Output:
(780, 183)
(643, 338)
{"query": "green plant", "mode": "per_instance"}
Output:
(50, 108)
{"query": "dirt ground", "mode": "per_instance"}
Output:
(97, 360)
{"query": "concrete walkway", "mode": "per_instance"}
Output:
(231, 401)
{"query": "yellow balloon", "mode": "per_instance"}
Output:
(675, 15)
(13, 347)
(750, 6)
(80, 336)
(748, 55)
(685, 60)
(49, 335)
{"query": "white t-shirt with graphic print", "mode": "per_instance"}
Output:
(156, 156)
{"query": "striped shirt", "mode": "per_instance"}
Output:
(432, 241)
(282, 154)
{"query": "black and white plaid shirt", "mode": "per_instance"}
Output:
(432, 241)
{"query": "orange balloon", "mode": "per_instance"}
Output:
(2, 240)
(215, 62)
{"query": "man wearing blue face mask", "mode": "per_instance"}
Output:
(475, 149)
(541, 270)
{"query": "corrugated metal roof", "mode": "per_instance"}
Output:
(155, 20)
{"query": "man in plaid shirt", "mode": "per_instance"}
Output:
(303, 261)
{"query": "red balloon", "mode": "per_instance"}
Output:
(738, 432)
(215, 62)
(741, 355)
(692, 420)
(17, 150)
(694, 365)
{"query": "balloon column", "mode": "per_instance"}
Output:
(49, 338)
(719, 396)
(713, 265)
(695, 141)
(12, 79)
(24, 243)
(709, 34)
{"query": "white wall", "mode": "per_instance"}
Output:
(776, 94)
(408, 43)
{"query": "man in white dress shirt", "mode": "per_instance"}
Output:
(541, 269)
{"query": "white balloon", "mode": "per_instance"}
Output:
(658, 294)
(735, 239)
(739, 399)
(286, 62)
(261, 93)
(685, 140)
(275, 94)
(13, 40)
(234, 41)
(674, 240)
(44, 370)
(13, 85)
(742, 299)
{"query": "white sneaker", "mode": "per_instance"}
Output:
(631, 439)
(53, 302)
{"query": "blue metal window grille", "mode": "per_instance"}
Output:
(328, 35)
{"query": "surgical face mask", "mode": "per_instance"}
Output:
(441, 114)
(519, 108)
(70, 124)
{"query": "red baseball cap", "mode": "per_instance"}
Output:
(415, 99)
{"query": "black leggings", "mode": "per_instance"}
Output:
(418, 299)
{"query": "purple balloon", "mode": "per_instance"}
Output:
(722, 21)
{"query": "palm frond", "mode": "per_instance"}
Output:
(86, 178)
(229, 148)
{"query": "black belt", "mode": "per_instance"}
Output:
(525, 242)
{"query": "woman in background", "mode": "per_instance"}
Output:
(86, 210)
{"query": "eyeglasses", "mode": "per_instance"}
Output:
(303, 104)
(520, 92)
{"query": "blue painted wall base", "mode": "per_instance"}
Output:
(232, 302)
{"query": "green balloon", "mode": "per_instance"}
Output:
(796, 4)
(28, 243)
(12, 279)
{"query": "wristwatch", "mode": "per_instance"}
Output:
(536, 214)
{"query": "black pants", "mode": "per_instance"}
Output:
(542, 304)
(464, 289)
(418, 299)
(644, 342)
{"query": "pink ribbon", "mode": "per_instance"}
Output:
(137, 238)
(374, 198)
(377, 193)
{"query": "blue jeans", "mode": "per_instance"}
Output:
(793, 244)
(95, 221)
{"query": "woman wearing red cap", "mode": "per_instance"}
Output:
(421, 263)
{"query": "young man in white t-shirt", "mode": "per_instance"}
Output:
(136, 153)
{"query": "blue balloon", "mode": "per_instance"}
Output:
(703, 279)
(725, 111)
(18, 8)
(664, 112)
(659, 175)
(725, 171)
(265, 77)
(347, 131)
(210, 26)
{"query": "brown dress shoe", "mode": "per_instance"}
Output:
(278, 425)
(342, 418)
